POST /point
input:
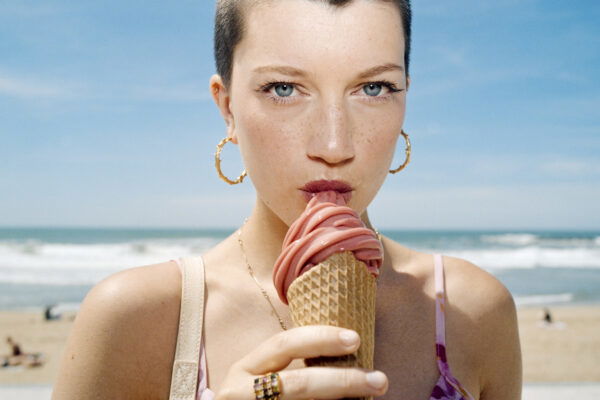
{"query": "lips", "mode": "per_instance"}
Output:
(313, 187)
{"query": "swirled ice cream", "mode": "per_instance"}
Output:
(326, 226)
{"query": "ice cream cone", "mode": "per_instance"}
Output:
(339, 291)
(327, 271)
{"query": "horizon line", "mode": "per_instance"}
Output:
(398, 229)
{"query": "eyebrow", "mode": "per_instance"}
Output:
(291, 71)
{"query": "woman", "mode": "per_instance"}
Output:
(309, 91)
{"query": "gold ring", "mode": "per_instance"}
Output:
(267, 387)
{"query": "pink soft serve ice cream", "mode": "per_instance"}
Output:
(326, 226)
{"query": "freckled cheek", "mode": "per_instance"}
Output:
(378, 137)
(377, 157)
(267, 147)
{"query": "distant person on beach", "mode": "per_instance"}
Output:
(547, 321)
(547, 316)
(14, 346)
(49, 315)
(314, 94)
(18, 357)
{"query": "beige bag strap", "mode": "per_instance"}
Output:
(191, 316)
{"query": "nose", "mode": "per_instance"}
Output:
(331, 141)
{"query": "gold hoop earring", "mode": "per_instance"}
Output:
(407, 152)
(218, 164)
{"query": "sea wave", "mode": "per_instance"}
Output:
(530, 239)
(34, 262)
(39, 262)
(544, 299)
(531, 257)
(519, 239)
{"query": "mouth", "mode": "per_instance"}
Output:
(312, 188)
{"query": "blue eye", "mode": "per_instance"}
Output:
(372, 89)
(280, 92)
(283, 92)
(284, 89)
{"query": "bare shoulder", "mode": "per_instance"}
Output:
(486, 313)
(123, 340)
(475, 291)
(469, 288)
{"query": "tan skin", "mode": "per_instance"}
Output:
(329, 126)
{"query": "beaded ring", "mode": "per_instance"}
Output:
(267, 387)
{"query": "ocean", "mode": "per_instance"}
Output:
(58, 266)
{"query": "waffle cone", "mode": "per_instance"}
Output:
(339, 291)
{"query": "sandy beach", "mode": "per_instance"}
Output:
(568, 351)
(34, 335)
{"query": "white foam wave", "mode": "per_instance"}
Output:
(544, 299)
(34, 262)
(520, 239)
(529, 239)
(531, 257)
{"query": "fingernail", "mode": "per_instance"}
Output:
(349, 337)
(376, 379)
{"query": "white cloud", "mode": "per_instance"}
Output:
(32, 88)
(430, 128)
(508, 167)
(466, 77)
(190, 92)
(451, 55)
(571, 168)
(123, 210)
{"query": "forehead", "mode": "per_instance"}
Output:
(312, 35)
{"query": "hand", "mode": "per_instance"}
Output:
(279, 350)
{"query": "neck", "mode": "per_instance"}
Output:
(263, 236)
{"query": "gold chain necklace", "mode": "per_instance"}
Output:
(251, 272)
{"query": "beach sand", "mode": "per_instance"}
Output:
(567, 352)
(34, 335)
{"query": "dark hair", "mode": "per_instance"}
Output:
(229, 28)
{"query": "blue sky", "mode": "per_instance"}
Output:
(106, 120)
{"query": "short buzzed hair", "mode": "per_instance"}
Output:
(229, 29)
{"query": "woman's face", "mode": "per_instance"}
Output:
(317, 93)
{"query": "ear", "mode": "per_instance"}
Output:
(222, 99)
(407, 83)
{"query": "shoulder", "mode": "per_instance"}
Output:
(473, 294)
(468, 287)
(134, 297)
(475, 291)
(137, 289)
(124, 336)
(484, 316)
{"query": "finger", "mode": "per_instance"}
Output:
(310, 341)
(331, 383)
